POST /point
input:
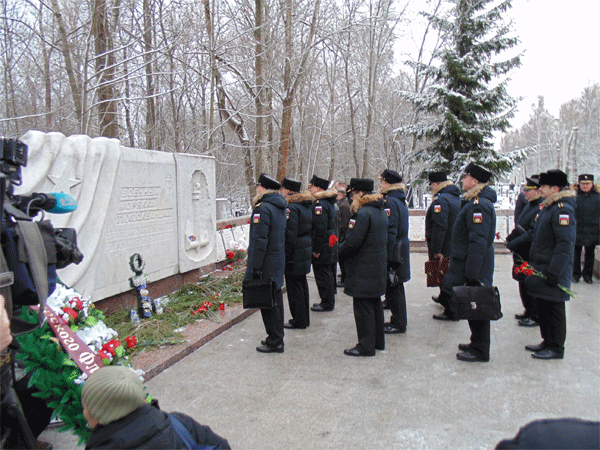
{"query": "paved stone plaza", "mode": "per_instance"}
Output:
(413, 395)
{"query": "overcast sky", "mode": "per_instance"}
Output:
(560, 40)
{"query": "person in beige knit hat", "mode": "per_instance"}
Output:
(114, 406)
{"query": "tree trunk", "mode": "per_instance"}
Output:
(105, 63)
(71, 75)
(150, 104)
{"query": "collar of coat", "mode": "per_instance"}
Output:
(441, 186)
(394, 187)
(364, 200)
(474, 192)
(557, 197)
(321, 195)
(256, 200)
(300, 197)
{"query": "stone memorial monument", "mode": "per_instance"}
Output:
(160, 205)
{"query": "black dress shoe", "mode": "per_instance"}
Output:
(355, 352)
(444, 316)
(535, 348)
(547, 354)
(464, 347)
(267, 349)
(470, 357)
(528, 322)
(389, 329)
(291, 326)
(521, 316)
(575, 279)
(340, 284)
(588, 280)
(435, 298)
(319, 308)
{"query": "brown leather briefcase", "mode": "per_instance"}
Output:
(435, 270)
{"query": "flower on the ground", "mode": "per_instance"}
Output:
(131, 341)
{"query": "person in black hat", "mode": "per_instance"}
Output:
(364, 252)
(472, 255)
(588, 227)
(266, 255)
(298, 251)
(440, 217)
(394, 195)
(323, 217)
(552, 246)
(519, 242)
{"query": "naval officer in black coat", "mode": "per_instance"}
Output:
(266, 254)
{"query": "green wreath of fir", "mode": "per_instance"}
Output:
(53, 375)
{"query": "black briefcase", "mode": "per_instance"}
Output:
(258, 293)
(475, 303)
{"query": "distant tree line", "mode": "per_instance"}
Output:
(285, 87)
(570, 142)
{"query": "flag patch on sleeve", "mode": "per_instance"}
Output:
(318, 210)
(256, 218)
(437, 208)
(477, 218)
(564, 219)
(287, 213)
(351, 223)
(388, 211)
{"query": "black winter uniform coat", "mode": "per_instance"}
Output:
(588, 217)
(440, 218)
(323, 217)
(521, 245)
(266, 248)
(149, 427)
(298, 229)
(397, 212)
(552, 246)
(364, 250)
(472, 256)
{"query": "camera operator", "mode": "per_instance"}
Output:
(31, 252)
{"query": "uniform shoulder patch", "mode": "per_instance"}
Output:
(388, 211)
(256, 218)
(351, 223)
(318, 210)
(287, 213)
(437, 208)
(477, 217)
(564, 219)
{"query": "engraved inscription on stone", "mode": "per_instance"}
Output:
(139, 219)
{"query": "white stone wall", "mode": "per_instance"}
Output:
(160, 205)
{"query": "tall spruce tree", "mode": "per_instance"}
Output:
(467, 100)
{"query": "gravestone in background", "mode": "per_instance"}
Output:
(160, 205)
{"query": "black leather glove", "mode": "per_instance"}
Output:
(256, 274)
(518, 231)
(392, 265)
(472, 282)
(551, 280)
(519, 276)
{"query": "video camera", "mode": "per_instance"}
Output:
(31, 253)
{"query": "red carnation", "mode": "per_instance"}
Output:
(131, 341)
(332, 240)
